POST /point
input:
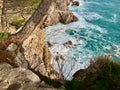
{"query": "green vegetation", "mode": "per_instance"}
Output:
(3, 35)
(18, 11)
(106, 78)
(25, 5)
(17, 23)
(33, 5)
(12, 53)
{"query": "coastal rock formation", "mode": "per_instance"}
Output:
(75, 3)
(59, 12)
(17, 13)
(20, 79)
(93, 70)
(37, 54)
(35, 51)
(67, 44)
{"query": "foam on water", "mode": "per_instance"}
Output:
(92, 16)
(117, 51)
(88, 38)
(113, 18)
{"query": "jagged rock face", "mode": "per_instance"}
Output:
(36, 52)
(34, 47)
(75, 3)
(68, 2)
(17, 13)
(38, 55)
(20, 79)
(59, 12)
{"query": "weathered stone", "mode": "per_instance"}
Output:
(67, 2)
(67, 44)
(49, 44)
(33, 47)
(20, 60)
(15, 79)
(75, 3)
(35, 51)
(12, 47)
(59, 12)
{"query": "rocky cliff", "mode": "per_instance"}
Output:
(20, 79)
(35, 52)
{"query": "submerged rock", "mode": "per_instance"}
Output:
(75, 3)
(49, 44)
(67, 44)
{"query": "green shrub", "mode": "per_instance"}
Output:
(3, 35)
(107, 78)
(73, 85)
(17, 23)
(12, 53)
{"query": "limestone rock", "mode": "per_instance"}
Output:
(38, 55)
(33, 47)
(68, 2)
(17, 79)
(12, 47)
(59, 12)
(35, 51)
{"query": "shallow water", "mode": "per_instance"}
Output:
(96, 32)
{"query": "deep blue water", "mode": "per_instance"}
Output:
(96, 33)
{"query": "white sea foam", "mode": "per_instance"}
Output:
(117, 51)
(95, 27)
(113, 18)
(57, 36)
(92, 16)
(90, 2)
(76, 54)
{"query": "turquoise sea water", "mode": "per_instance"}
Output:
(102, 32)
(96, 32)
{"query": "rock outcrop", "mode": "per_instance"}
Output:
(17, 13)
(59, 12)
(20, 79)
(36, 53)
(75, 3)
(93, 70)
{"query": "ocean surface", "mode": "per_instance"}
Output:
(96, 33)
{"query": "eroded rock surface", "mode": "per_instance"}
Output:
(35, 51)
(59, 12)
(20, 79)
